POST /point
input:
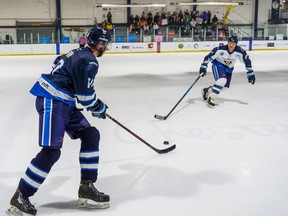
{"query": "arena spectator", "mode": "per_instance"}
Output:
(109, 17)
(82, 41)
(214, 20)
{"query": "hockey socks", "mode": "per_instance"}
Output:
(38, 170)
(89, 154)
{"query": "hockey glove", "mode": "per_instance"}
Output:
(251, 77)
(203, 69)
(99, 110)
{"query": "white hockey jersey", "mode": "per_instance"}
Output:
(222, 57)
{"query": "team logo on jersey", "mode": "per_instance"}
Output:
(228, 62)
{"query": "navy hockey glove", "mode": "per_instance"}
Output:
(203, 69)
(251, 77)
(99, 110)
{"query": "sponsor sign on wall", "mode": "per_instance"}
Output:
(197, 46)
(283, 44)
(134, 47)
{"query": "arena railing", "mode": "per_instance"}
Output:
(44, 35)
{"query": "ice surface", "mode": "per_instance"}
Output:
(229, 161)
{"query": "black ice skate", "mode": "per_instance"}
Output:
(205, 93)
(90, 197)
(210, 102)
(20, 205)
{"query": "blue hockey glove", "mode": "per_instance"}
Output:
(203, 69)
(251, 77)
(99, 110)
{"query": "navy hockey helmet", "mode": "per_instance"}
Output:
(96, 35)
(233, 39)
(99, 36)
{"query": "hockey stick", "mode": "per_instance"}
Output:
(165, 117)
(159, 151)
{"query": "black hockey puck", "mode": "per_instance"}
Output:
(166, 142)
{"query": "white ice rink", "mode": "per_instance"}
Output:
(230, 161)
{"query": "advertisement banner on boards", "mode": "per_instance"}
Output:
(133, 47)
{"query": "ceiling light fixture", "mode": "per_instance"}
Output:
(211, 3)
(129, 5)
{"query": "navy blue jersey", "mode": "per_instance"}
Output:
(71, 79)
(223, 58)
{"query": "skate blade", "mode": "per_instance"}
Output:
(210, 106)
(13, 211)
(87, 203)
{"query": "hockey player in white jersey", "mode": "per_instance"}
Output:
(223, 59)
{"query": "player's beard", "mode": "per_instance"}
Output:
(101, 51)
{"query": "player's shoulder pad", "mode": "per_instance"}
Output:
(222, 47)
(58, 58)
(239, 49)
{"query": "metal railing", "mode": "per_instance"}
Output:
(166, 33)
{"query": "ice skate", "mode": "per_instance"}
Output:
(90, 197)
(20, 206)
(205, 93)
(210, 102)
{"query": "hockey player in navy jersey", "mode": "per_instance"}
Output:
(57, 93)
(223, 59)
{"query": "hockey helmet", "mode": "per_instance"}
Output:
(97, 35)
(233, 39)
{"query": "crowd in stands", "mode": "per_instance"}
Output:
(185, 23)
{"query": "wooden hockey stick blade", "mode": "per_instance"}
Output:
(160, 117)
